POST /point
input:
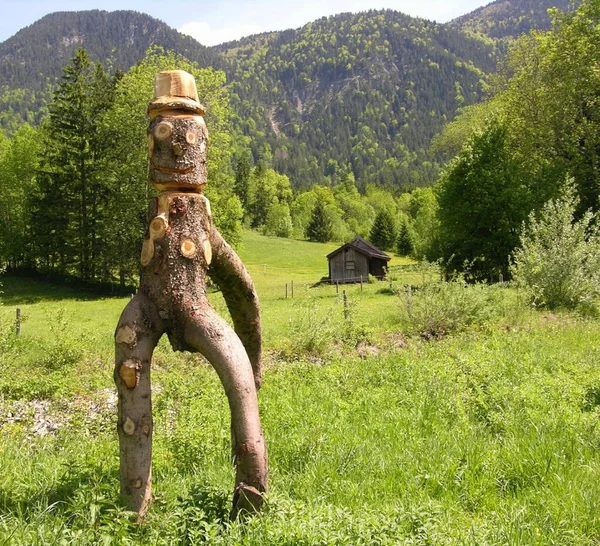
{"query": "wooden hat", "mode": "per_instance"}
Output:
(175, 90)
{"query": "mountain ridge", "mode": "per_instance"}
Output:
(354, 92)
(121, 37)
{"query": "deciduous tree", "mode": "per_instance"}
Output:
(483, 200)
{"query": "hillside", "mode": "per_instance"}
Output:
(361, 93)
(37, 53)
(509, 18)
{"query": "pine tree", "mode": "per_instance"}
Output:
(242, 168)
(68, 210)
(383, 232)
(320, 228)
(405, 245)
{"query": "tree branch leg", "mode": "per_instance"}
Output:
(216, 340)
(137, 334)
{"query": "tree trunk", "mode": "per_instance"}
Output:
(176, 255)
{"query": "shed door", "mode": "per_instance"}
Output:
(349, 264)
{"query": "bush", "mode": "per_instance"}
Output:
(8, 336)
(315, 330)
(311, 330)
(442, 307)
(558, 262)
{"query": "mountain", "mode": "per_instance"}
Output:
(510, 18)
(37, 53)
(361, 92)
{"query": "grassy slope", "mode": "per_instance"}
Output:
(481, 438)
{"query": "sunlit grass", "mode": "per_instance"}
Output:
(488, 436)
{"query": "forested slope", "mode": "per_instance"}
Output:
(37, 53)
(32, 60)
(354, 92)
(510, 18)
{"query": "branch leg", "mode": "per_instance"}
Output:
(216, 340)
(137, 334)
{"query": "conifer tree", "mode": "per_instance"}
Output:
(405, 245)
(242, 168)
(72, 191)
(383, 232)
(320, 228)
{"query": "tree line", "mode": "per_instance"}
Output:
(536, 136)
(75, 191)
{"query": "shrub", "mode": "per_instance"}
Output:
(442, 307)
(312, 330)
(65, 348)
(8, 337)
(558, 262)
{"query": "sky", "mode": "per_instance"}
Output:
(216, 21)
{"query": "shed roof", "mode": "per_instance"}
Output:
(364, 247)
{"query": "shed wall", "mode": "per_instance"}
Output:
(348, 266)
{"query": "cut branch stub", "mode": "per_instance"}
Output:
(246, 500)
(147, 252)
(129, 372)
(207, 252)
(158, 227)
(188, 248)
(129, 427)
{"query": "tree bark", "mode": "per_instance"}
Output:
(178, 249)
(230, 275)
(137, 334)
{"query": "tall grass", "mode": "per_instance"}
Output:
(486, 436)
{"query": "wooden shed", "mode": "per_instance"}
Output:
(356, 260)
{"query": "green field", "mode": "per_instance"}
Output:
(489, 435)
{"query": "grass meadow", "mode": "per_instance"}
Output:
(432, 415)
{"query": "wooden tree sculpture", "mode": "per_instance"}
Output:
(180, 248)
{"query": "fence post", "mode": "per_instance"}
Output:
(286, 290)
(18, 324)
(361, 283)
(292, 289)
(346, 310)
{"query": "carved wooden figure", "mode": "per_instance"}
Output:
(180, 249)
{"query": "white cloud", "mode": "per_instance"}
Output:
(201, 31)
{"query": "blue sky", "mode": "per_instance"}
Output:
(217, 21)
